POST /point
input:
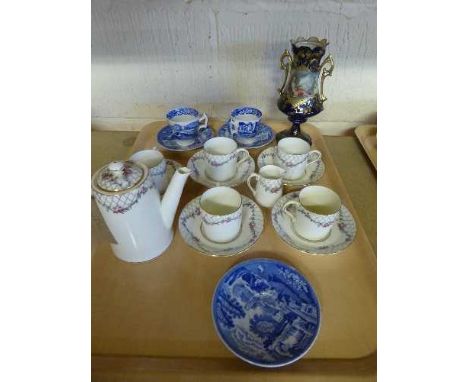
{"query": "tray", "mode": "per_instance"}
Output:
(154, 319)
(367, 135)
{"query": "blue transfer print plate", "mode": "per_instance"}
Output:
(167, 140)
(264, 136)
(266, 312)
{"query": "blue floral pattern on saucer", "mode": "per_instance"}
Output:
(266, 312)
(264, 137)
(167, 140)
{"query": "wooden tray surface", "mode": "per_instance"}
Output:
(367, 136)
(161, 309)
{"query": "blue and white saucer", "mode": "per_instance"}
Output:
(264, 136)
(166, 139)
(266, 312)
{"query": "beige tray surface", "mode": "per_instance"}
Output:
(161, 308)
(367, 135)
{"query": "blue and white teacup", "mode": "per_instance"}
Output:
(186, 123)
(244, 123)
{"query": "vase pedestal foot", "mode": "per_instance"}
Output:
(294, 131)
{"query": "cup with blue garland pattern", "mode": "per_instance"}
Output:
(244, 123)
(222, 158)
(186, 124)
(221, 213)
(315, 213)
(156, 163)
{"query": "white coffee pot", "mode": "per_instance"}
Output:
(131, 206)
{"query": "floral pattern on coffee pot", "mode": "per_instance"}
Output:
(136, 216)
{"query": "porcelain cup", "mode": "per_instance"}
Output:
(222, 157)
(295, 155)
(315, 213)
(269, 185)
(221, 213)
(186, 123)
(156, 164)
(244, 123)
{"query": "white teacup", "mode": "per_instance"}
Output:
(221, 213)
(269, 187)
(156, 164)
(295, 155)
(315, 213)
(222, 158)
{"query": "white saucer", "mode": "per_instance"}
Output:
(197, 164)
(251, 228)
(342, 233)
(171, 167)
(313, 173)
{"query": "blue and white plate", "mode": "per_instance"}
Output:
(264, 137)
(166, 139)
(266, 312)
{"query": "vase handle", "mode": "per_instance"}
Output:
(285, 66)
(326, 70)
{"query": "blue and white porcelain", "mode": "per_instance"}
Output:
(197, 164)
(244, 122)
(312, 174)
(264, 136)
(166, 139)
(266, 312)
(341, 234)
(190, 228)
(186, 123)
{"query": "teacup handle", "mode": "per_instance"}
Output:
(318, 156)
(232, 127)
(286, 210)
(247, 156)
(203, 125)
(252, 176)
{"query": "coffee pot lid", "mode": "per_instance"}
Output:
(119, 176)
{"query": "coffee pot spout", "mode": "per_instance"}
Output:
(172, 195)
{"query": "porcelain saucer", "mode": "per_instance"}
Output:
(171, 167)
(342, 234)
(197, 164)
(266, 312)
(313, 174)
(191, 231)
(165, 139)
(264, 136)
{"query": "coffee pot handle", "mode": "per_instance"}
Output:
(286, 66)
(249, 179)
(326, 70)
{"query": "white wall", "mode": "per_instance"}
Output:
(148, 56)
